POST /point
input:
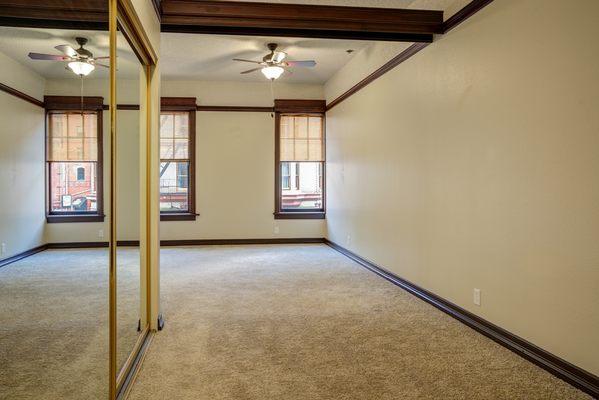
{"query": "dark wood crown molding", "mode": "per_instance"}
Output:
(300, 106)
(553, 364)
(90, 103)
(466, 12)
(235, 108)
(21, 95)
(276, 19)
(178, 103)
(388, 66)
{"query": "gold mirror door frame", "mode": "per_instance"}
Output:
(122, 16)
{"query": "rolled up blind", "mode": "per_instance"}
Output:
(301, 138)
(73, 137)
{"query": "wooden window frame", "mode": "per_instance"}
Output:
(54, 104)
(298, 107)
(184, 104)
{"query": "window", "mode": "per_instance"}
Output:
(177, 138)
(300, 163)
(74, 159)
(80, 174)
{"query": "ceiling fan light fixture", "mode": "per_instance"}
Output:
(81, 68)
(272, 72)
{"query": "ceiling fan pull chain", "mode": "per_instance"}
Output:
(272, 95)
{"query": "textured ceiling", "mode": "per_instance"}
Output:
(347, 3)
(16, 43)
(209, 57)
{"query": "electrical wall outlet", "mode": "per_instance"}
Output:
(101, 233)
(276, 229)
(476, 296)
(2, 249)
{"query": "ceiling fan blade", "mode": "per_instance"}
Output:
(250, 61)
(53, 57)
(66, 49)
(309, 64)
(250, 70)
(102, 65)
(102, 58)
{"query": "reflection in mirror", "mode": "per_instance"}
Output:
(129, 320)
(53, 301)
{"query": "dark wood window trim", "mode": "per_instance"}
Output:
(184, 104)
(290, 107)
(76, 103)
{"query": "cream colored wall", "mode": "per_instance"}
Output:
(475, 164)
(22, 212)
(235, 164)
(127, 163)
(234, 156)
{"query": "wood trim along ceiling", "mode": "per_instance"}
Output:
(300, 20)
(466, 12)
(85, 14)
(562, 369)
(21, 95)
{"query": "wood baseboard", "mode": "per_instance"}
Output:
(21, 255)
(553, 364)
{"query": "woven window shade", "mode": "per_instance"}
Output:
(301, 138)
(73, 137)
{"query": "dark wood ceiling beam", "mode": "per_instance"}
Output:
(85, 14)
(276, 19)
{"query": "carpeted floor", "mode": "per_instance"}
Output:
(304, 322)
(54, 323)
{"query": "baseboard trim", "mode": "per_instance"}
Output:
(23, 254)
(168, 243)
(555, 365)
(208, 242)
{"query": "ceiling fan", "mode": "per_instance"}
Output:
(273, 64)
(81, 61)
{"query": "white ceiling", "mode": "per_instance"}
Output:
(209, 57)
(16, 43)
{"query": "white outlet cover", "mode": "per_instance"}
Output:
(101, 233)
(276, 229)
(476, 296)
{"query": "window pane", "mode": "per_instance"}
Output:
(69, 193)
(167, 148)
(182, 125)
(166, 125)
(181, 146)
(306, 191)
(72, 137)
(174, 184)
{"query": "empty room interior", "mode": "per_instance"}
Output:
(299, 199)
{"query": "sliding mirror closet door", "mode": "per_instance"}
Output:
(130, 298)
(53, 232)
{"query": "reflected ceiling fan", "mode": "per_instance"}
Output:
(273, 64)
(81, 61)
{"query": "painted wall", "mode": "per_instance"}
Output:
(235, 163)
(475, 165)
(22, 179)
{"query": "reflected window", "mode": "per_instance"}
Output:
(74, 166)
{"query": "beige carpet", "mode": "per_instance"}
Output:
(54, 323)
(304, 322)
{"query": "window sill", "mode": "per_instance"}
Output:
(178, 217)
(300, 215)
(55, 218)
